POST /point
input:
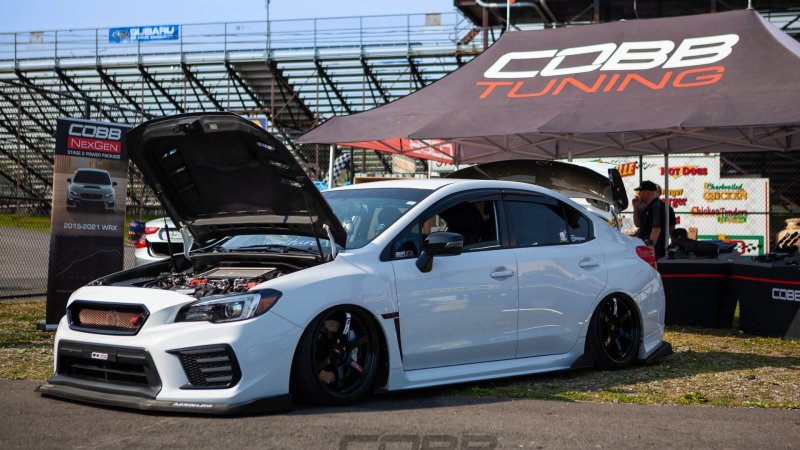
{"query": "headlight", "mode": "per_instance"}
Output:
(109, 195)
(71, 192)
(229, 308)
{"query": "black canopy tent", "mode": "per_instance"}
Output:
(712, 82)
(706, 83)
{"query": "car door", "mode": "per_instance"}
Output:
(561, 272)
(465, 309)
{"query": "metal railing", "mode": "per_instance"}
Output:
(240, 40)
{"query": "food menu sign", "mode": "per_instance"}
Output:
(88, 208)
(728, 209)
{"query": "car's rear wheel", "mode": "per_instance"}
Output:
(614, 333)
(338, 357)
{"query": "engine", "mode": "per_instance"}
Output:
(220, 280)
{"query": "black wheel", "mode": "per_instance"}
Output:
(614, 333)
(337, 359)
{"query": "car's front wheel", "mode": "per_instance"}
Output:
(614, 333)
(338, 357)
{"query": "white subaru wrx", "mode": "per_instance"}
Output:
(391, 285)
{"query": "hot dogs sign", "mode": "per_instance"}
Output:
(729, 209)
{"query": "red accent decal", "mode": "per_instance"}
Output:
(94, 145)
(693, 275)
(766, 280)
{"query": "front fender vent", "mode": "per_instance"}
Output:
(209, 367)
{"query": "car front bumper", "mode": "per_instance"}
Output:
(149, 371)
(276, 403)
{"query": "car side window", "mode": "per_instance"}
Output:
(408, 243)
(475, 221)
(579, 227)
(536, 224)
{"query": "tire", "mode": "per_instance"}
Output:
(614, 333)
(334, 368)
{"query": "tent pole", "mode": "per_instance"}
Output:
(508, 15)
(330, 165)
(666, 198)
(352, 167)
(571, 142)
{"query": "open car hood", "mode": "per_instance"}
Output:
(568, 179)
(221, 175)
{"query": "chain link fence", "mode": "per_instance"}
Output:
(742, 198)
(746, 198)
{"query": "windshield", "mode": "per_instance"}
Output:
(92, 177)
(366, 213)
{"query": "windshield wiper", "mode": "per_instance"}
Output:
(216, 248)
(275, 248)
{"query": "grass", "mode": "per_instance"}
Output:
(709, 367)
(27, 222)
(25, 353)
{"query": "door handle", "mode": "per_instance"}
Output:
(502, 273)
(586, 263)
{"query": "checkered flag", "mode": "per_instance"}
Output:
(340, 164)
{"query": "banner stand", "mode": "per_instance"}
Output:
(88, 209)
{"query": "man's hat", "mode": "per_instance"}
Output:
(647, 186)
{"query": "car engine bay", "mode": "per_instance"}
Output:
(201, 277)
(217, 281)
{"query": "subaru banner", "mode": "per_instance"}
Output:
(126, 35)
(88, 208)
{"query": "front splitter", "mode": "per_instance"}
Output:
(262, 405)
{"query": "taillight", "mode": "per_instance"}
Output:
(141, 242)
(648, 255)
(150, 230)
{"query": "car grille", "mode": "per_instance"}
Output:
(212, 367)
(106, 318)
(162, 248)
(110, 368)
(91, 196)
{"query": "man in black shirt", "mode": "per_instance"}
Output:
(649, 216)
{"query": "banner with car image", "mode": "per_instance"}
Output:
(88, 210)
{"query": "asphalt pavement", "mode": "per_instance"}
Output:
(428, 418)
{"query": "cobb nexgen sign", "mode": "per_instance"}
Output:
(611, 68)
(94, 141)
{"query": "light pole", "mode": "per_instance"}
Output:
(269, 47)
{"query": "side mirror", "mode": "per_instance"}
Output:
(113, 183)
(69, 180)
(440, 243)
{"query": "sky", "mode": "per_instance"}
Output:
(44, 15)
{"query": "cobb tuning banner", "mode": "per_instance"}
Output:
(88, 208)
